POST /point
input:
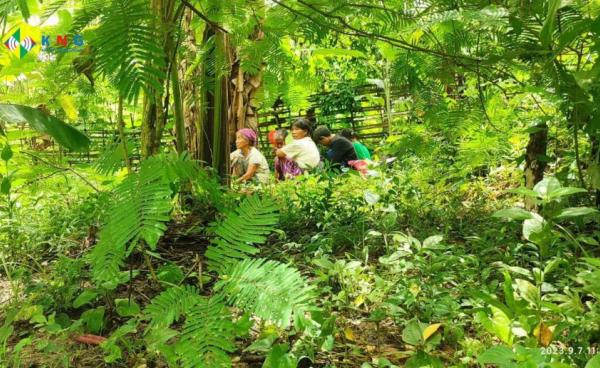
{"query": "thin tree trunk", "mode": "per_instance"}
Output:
(153, 120)
(534, 158)
(121, 129)
(191, 99)
(220, 141)
(178, 109)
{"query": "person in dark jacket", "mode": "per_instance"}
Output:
(341, 149)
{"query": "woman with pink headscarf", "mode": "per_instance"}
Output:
(247, 163)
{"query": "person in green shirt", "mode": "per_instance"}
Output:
(361, 150)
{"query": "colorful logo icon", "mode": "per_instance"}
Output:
(20, 44)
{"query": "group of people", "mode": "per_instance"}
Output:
(295, 156)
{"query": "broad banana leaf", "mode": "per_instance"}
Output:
(63, 133)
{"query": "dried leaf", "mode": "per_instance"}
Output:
(90, 339)
(349, 334)
(359, 300)
(430, 330)
(543, 334)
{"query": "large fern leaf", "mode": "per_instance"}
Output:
(112, 158)
(128, 48)
(269, 289)
(252, 221)
(170, 305)
(207, 335)
(141, 206)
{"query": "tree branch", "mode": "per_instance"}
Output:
(203, 17)
(391, 40)
(60, 168)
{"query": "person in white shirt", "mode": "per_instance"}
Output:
(247, 163)
(302, 150)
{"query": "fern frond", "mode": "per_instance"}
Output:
(207, 335)
(142, 203)
(50, 8)
(88, 14)
(107, 257)
(8, 6)
(128, 48)
(112, 158)
(170, 305)
(250, 224)
(269, 289)
(181, 167)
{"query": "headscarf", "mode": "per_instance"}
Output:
(272, 135)
(249, 134)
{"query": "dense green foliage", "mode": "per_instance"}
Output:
(471, 240)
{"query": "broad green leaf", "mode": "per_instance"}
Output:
(549, 23)
(524, 191)
(528, 291)
(279, 357)
(533, 226)
(94, 319)
(84, 298)
(413, 332)
(64, 134)
(5, 186)
(594, 362)
(371, 198)
(421, 360)
(432, 241)
(514, 213)
(127, 308)
(575, 212)
(170, 273)
(6, 153)
(546, 186)
(564, 191)
(262, 345)
(509, 295)
(5, 332)
(499, 355)
(501, 324)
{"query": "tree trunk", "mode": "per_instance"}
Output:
(149, 123)
(192, 96)
(225, 103)
(154, 118)
(534, 158)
